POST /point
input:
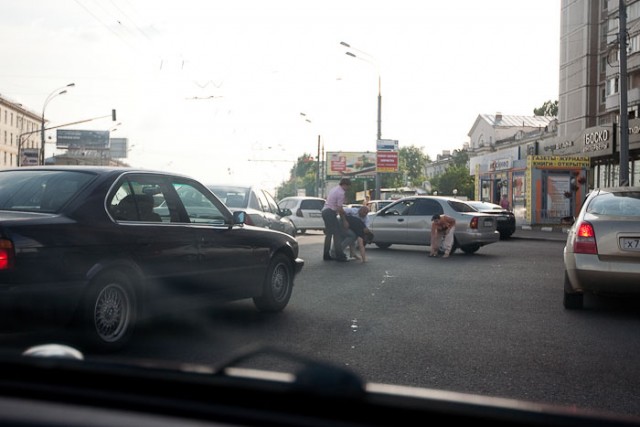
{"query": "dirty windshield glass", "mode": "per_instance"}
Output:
(279, 183)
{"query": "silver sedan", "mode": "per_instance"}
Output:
(408, 222)
(602, 253)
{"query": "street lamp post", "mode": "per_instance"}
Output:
(317, 186)
(58, 91)
(379, 133)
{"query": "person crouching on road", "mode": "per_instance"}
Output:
(335, 228)
(358, 220)
(443, 228)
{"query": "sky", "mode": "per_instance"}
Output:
(217, 89)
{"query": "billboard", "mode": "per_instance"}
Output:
(387, 161)
(82, 139)
(350, 164)
(119, 148)
(29, 156)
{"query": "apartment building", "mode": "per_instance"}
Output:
(19, 134)
(589, 98)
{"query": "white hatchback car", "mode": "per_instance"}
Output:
(306, 212)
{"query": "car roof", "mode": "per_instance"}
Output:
(98, 170)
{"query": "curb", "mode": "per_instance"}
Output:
(547, 229)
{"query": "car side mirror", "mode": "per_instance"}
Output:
(285, 212)
(239, 217)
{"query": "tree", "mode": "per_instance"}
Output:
(454, 178)
(548, 109)
(411, 163)
(302, 176)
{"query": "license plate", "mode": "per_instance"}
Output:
(488, 223)
(315, 215)
(630, 244)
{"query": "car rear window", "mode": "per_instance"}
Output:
(616, 204)
(40, 190)
(461, 206)
(315, 205)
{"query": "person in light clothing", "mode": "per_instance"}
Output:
(443, 228)
(358, 220)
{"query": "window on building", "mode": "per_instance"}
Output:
(634, 44)
(612, 86)
(633, 11)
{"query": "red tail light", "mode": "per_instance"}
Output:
(585, 242)
(474, 223)
(299, 213)
(7, 254)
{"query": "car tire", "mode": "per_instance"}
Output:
(470, 249)
(277, 287)
(383, 245)
(109, 312)
(571, 300)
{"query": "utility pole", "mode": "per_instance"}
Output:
(624, 115)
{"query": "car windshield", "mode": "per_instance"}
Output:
(429, 195)
(233, 197)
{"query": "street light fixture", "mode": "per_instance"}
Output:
(58, 91)
(371, 60)
(318, 158)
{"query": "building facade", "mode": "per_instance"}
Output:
(19, 134)
(547, 171)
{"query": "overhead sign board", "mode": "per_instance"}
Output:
(387, 145)
(387, 161)
(119, 148)
(350, 164)
(82, 139)
(29, 156)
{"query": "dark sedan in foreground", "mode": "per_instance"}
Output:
(99, 248)
(602, 253)
(506, 220)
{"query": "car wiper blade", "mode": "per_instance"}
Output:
(313, 376)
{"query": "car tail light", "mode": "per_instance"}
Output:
(299, 213)
(585, 242)
(7, 254)
(474, 223)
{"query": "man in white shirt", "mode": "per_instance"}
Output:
(334, 228)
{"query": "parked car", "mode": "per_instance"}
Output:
(602, 253)
(100, 248)
(261, 208)
(408, 222)
(506, 225)
(376, 205)
(306, 212)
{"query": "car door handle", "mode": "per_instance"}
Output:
(400, 219)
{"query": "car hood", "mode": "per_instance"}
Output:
(317, 391)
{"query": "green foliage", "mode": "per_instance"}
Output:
(455, 177)
(548, 109)
(411, 163)
(303, 176)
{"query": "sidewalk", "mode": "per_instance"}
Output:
(541, 232)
